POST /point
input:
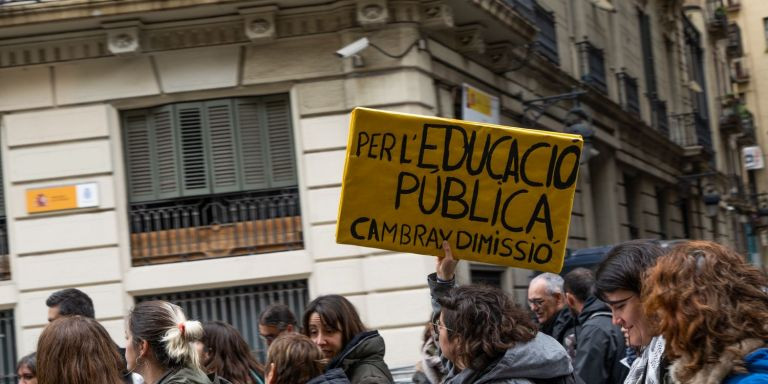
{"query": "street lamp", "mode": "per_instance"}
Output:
(711, 200)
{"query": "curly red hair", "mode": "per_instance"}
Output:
(705, 299)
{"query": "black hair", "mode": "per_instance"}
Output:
(580, 283)
(625, 266)
(71, 301)
(277, 315)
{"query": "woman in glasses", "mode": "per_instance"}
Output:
(333, 324)
(486, 338)
(619, 282)
(712, 308)
(224, 353)
(26, 369)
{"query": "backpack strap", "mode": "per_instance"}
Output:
(609, 314)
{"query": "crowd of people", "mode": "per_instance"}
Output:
(694, 313)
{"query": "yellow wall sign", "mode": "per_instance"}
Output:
(497, 194)
(62, 198)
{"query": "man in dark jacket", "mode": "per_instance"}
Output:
(547, 301)
(599, 344)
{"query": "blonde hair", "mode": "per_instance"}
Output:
(170, 335)
(296, 358)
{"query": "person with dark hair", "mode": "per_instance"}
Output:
(77, 350)
(71, 302)
(276, 320)
(599, 344)
(333, 324)
(295, 359)
(484, 337)
(619, 283)
(68, 302)
(159, 344)
(225, 353)
(26, 369)
(547, 301)
(712, 308)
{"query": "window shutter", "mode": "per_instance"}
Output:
(194, 166)
(139, 156)
(648, 63)
(252, 144)
(280, 142)
(166, 153)
(223, 146)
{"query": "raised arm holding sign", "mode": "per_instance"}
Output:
(496, 194)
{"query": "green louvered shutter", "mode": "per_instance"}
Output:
(166, 153)
(139, 157)
(252, 144)
(280, 152)
(193, 143)
(223, 148)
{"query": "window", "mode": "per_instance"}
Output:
(661, 209)
(5, 266)
(592, 66)
(211, 179)
(7, 348)
(486, 274)
(660, 116)
(631, 194)
(628, 93)
(646, 38)
(734, 47)
(765, 31)
(547, 36)
(695, 59)
(239, 306)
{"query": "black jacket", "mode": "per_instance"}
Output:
(362, 360)
(560, 325)
(334, 376)
(599, 345)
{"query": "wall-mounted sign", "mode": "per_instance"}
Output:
(496, 194)
(62, 198)
(479, 106)
(753, 158)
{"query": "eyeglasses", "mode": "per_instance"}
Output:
(436, 327)
(536, 302)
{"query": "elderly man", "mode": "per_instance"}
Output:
(547, 300)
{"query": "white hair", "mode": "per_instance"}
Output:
(554, 282)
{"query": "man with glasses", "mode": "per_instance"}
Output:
(547, 301)
(276, 320)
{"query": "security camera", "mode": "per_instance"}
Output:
(353, 48)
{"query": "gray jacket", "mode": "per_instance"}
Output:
(542, 358)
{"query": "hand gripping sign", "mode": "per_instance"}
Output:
(497, 194)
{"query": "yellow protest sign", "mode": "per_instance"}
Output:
(497, 194)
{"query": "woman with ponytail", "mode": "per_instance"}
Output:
(159, 344)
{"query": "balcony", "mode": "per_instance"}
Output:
(733, 5)
(628, 93)
(717, 23)
(5, 265)
(215, 226)
(734, 47)
(547, 36)
(735, 118)
(691, 131)
(659, 116)
(739, 71)
(592, 66)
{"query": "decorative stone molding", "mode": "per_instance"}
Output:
(372, 13)
(501, 55)
(469, 39)
(437, 15)
(259, 23)
(123, 41)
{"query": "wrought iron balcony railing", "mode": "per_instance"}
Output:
(691, 130)
(628, 93)
(215, 226)
(592, 66)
